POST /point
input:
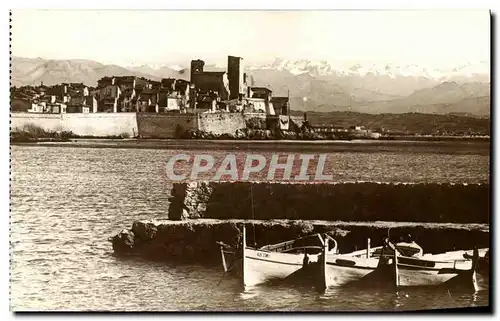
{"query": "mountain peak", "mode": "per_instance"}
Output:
(318, 68)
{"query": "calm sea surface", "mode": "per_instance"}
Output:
(67, 202)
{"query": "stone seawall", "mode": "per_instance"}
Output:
(443, 203)
(165, 126)
(196, 240)
(221, 123)
(93, 124)
(145, 125)
(263, 121)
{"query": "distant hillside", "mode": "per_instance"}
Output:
(52, 72)
(408, 122)
(448, 97)
(448, 92)
(163, 72)
(335, 93)
(474, 107)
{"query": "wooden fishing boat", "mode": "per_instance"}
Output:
(483, 263)
(399, 265)
(457, 255)
(461, 259)
(380, 266)
(427, 271)
(271, 262)
(291, 261)
(359, 268)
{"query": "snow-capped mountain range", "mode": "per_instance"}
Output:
(317, 68)
(323, 68)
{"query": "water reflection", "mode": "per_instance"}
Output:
(67, 202)
(302, 298)
(249, 292)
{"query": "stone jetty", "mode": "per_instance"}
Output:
(440, 217)
(359, 201)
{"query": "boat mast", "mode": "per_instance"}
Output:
(253, 214)
(244, 236)
(395, 261)
(396, 271)
(244, 260)
(323, 282)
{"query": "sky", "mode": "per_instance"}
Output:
(431, 38)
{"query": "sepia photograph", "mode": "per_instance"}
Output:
(250, 160)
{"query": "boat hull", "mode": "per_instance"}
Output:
(263, 267)
(409, 277)
(274, 267)
(414, 272)
(365, 272)
(340, 271)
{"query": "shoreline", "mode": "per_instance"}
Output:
(264, 141)
(458, 145)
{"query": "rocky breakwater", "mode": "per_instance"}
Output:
(197, 240)
(202, 214)
(360, 201)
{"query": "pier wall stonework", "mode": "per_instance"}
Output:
(92, 124)
(354, 202)
(221, 123)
